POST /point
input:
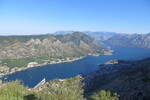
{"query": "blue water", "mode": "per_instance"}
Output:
(32, 76)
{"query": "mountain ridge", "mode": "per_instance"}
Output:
(133, 40)
(49, 46)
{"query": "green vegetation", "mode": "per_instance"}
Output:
(68, 89)
(23, 62)
(11, 63)
(104, 95)
(12, 91)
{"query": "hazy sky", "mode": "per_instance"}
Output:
(47, 16)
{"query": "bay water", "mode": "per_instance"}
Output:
(32, 76)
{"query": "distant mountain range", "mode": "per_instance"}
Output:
(48, 46)
(99, 35)
(130, 40)
(118, 39)
(75, 44)
(67, 44)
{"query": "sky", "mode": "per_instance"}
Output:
(18, 17)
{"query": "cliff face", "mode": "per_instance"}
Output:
(76, 44)
(135, 40)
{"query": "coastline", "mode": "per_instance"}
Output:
(59, 61)
(16, 69)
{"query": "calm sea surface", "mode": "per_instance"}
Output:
(32, 76)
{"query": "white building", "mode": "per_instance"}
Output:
(32, 64)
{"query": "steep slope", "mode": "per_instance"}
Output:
(75, 44)
(130, 79)
(135, 40)
(49, 46)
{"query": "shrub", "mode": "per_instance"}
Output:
(12, 91)
(103, 95)
(68, 89)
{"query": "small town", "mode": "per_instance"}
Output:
(4, 70)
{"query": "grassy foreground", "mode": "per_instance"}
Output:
(69, 89)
